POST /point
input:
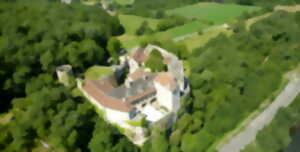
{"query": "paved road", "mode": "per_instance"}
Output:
(247, 135)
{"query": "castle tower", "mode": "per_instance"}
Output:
(168, 92)
(64, 72)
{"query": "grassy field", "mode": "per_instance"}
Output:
(96, 72)
(204, 12)
(130, 41)
(212, 12)
(185, 29)
(124, 2)
(200, 40)
(131, 23)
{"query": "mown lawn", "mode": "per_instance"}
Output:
(96, 72)
(212, 12)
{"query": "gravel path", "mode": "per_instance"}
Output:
(247, 135)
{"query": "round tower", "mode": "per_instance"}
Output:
(64, 72)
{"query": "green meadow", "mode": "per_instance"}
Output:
(96, 72)
(206, 15)
(131, 41)
(200, 40)
(131, 23)
(212, 12)
(124, 2)
(185, 29)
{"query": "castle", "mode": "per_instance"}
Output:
(145, 99)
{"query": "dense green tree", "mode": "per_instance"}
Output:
(43, 35)
(144, 29)
(114, 48)
(154, 58)
(171, 22)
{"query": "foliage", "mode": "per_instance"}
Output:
(178, 49)
(255, 60)
(114, 48)
(44, 35)
(183, 30)
(155, 57)
(41, 36)
(231, 75)
(144, 29)
(154, 8)
(105, 141)
(276, 136)
(131, 23)
(171, 22)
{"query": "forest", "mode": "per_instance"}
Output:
(39, 37)
(277, 136)
(230, 77)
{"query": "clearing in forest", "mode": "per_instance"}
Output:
(200, 40)
(212, 12)
(131, 23)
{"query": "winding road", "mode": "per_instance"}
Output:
(248, 134)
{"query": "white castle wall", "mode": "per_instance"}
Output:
(164, 96)
(133, 65)
(111, 115)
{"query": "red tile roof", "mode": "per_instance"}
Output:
(166, 80)
(98, 90)
(99, 94)
(139, 73)
(140, 56)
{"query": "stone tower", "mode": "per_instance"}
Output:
(64, 72)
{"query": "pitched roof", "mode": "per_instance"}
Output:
(140, 55)
(139, 73)
(137, 88)
(121, 98)
(167, 80)
(97, 92)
